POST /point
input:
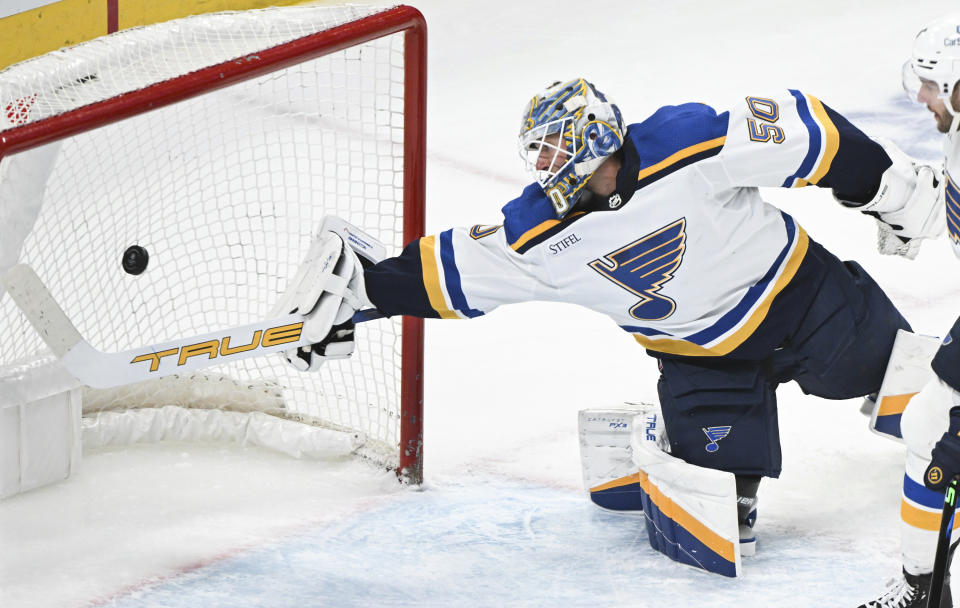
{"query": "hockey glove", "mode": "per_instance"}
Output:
(908, 205)
(888, 243)
(327, 289)
(945, 456)
(338, 344)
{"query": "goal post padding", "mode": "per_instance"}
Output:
(217, 143)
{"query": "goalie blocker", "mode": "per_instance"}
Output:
(690, 511)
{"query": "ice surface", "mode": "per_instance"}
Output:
(503, 519)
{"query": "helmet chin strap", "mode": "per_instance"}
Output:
(955, 115)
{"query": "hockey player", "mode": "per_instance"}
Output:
(931, 421)
(660, 226)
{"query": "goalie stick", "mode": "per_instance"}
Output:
(942, 559)
(100, 369)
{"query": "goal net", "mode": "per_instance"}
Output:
(217, 143)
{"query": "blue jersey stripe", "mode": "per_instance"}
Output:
(953, 209)
(920, 494)
(452, 276)
(646, 331)
(814, 150)
(753, 295)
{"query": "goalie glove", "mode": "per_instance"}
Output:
(327, 290)
(908, 205)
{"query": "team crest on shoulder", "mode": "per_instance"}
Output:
(479, 231)
(643, 266)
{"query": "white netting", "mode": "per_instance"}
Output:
(223, 190)
(136, 58)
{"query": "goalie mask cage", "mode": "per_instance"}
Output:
(218, 143)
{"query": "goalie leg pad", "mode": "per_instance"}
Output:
(690, 511)
(609, 474)
(907, 372)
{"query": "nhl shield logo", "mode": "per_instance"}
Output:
(614, 201)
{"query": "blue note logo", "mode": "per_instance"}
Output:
(643, 266)
(715, 434)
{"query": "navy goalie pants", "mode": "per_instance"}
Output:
(831, 330)
(946, 363)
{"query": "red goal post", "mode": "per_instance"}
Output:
(22, 133)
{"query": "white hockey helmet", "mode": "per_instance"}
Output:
(935, 58)
(590, 129)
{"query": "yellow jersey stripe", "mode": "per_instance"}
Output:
(831, 139)
(431, 278)
(680, 155)
(691, 524)
(538, 230)
(682, 347)
(534, 232)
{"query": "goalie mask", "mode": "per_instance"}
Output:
(935, 62)
(567, 132)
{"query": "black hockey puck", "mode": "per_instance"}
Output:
(135, 259)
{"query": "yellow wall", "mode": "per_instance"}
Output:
(68, 22)
(50, 27)
(142, 12)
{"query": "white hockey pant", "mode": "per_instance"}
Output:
(924, 421)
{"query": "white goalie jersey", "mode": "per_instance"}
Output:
(685, 254)
(951, 175)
